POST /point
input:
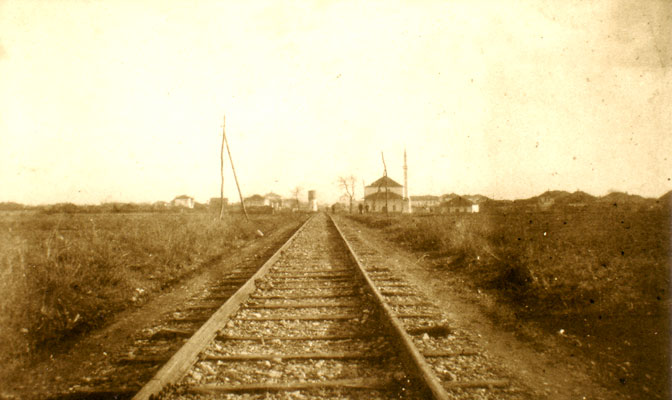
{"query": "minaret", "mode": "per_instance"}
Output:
(407, 198)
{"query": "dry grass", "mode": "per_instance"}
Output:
(552, 261)
(64, 274)
(598, 279)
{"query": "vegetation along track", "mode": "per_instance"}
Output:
(315, 323)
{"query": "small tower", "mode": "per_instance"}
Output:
(312, 200)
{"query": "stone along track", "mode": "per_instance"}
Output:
(311, 324)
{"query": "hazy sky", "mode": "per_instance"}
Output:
(124, 100)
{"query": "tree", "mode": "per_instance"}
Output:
(295, 193)
(347, 184)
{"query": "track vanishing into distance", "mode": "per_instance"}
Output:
(315, 323)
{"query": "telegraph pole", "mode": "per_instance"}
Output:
(240, 194)
(221, 171)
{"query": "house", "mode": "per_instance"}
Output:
(256, 201)
(183, 201)
(459, 205)
(384, 191)
(545, 202)
(274, 200)
(426, 203)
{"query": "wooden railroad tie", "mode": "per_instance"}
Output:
(301, 337)
(362, 383)
(302, 273)
(312, 285)
(310, 276)
(281, 278)
(324, 317)
(303, 305)
(303, 356)
(305, 296)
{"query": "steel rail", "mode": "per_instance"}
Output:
(178, 365)
(410, 352)
(187, 355)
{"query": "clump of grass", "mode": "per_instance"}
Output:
(64, 274)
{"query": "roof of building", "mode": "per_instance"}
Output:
(271, 195)
(384, 182)
(424, 197)
(255, 197)
(380, 196)
(458, 202)
(184, 196)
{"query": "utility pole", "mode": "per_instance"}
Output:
(221, 172)
(240, 194)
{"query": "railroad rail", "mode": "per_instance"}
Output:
(315, 322)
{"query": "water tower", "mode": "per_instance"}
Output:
(312, 200)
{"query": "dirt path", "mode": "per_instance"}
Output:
(92, 356)
(544, 364)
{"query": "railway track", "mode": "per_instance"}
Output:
(314, 322)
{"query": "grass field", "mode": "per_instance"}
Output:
(64, 274)
(602, 278)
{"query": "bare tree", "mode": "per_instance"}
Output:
(296, 192)
(347, 184)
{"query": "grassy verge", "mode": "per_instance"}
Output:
(600, 279)
(64, 274)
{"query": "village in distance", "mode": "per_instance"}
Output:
(384, 196)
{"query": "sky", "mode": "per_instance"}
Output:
(122, 100)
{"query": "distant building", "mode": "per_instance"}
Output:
(545, 202)
(256, 201)
(426, 203)
(384, 191)
(274, 200)
(183, 201)
(459, 205)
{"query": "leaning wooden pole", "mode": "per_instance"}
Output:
(221, 172)
(235, 177)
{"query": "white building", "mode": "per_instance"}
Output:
(384, 191)
(183, 201)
